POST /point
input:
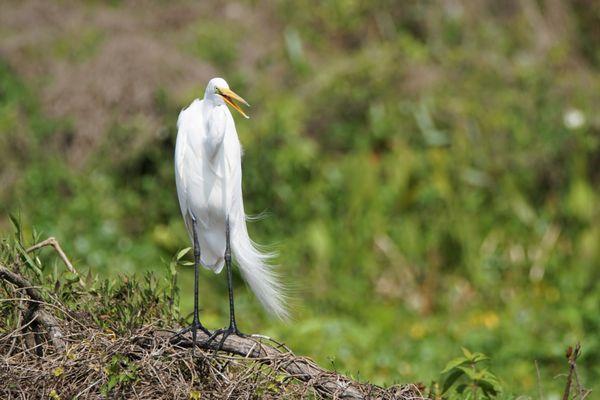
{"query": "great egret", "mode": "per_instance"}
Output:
(208, 174)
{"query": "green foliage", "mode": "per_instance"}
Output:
(118, 305)
(120, 370)
(467, 379)
(429, 173)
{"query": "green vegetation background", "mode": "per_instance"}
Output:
(428, 171)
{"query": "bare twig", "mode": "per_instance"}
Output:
(51, 241)
(19, 327)
(581, 391)
(571, 355)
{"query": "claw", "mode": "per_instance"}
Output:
(193, 327)
(225, 332)
(189, 328)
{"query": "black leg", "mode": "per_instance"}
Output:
(232, 324)
(196, 321)
(196, 324)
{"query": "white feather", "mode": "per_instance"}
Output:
(208, 175)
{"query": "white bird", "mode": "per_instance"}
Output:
(208, 174)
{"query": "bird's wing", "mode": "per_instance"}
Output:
(189, 124)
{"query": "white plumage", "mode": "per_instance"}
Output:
(208, 174)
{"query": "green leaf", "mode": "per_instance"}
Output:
(490, 377)
(488, 388)
(70, 277)
(489, 383)
(451, 379)
(454, 363)
(16, 223)
(478, 357)
(28, 260)
(473, 374)
(461, 388)
(112, 382)
(182, 253)
(173, 268)
(467, 353)
(89, 277)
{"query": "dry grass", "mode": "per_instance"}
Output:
(146, 365)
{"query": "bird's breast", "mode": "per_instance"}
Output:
(207, 197)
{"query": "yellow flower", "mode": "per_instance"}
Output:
(53, 395)
(490, 320)
(417, 330)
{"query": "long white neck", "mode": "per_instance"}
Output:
(215, 126)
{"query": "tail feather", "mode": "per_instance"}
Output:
(257, 271)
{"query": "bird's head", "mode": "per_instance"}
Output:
(218, 91)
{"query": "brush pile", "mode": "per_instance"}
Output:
(80, 338)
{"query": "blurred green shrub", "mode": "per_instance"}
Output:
(429, 173)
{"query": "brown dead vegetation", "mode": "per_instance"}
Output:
(50, 350)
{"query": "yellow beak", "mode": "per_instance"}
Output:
(229, 96)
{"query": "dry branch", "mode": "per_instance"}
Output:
(580, 393)
(327, 383)
(56, 246)
(35, 314)
(21, 283)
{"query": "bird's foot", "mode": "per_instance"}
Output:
(224, 333)
(197, 326)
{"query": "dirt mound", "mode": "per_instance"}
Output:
(98, 65)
